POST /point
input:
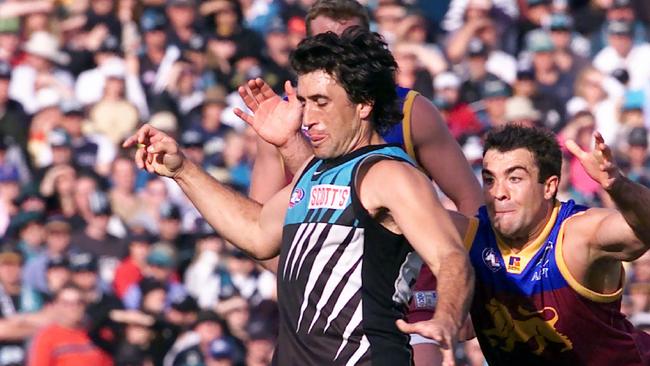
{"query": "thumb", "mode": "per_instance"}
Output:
(405, 327)
(574, 148)
(448, 358)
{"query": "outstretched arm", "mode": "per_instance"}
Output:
(622, 234)
(429, 229)
(442, 158)
(253, 228)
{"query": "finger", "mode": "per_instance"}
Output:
(139, 158)
(247, 98)
(448, 358)
(250, 120)
(598, 137)
(166, 146)
(265, 89)
(130, 141)
(408, 328)
(574, 148)
(255, 91)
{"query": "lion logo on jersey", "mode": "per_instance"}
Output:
(507, 330)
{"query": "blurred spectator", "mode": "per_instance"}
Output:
(260, 343)
(57, 245)
(477, 73)
(550, 107)
(549, 77)
(591, 95)
(95, 239)
(220, 353)
(67, 342)
(535, 14)
(30, 231)
(9, 39)
(495, 93)
(520, 110)
(57, 275)
(484, 30)
(47, 116)
(182, 22)
(637, 158)
(161, 264)
(14, 123)
(461, 119)
(124, 202)
(129, 272)
(622, 53)
(40, 70)
(617, 10)
(14, 298)
(631, 116)
(236, 312)
(410, 73)
(570, 49)
(202, 279)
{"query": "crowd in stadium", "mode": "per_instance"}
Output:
(98, 254)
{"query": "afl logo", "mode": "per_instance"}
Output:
(297, 196)
(491, 259)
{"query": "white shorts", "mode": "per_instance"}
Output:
(418, 339)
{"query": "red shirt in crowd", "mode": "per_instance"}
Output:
(59, 346)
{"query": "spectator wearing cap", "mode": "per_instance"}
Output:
(92, 151)
(483, 29)
(129, 271)
(14, 122)
(9, 39)
(155, 58)
(67, 342)
(632, 116)
(211, 126)
(96, 240)
(221, 353)
(14, 299)
(494, 95)
(161, 266)
(183, 22)
(170, 231)
(30, 233)
(226, 20)
(461, 119)
(260, 343)
(618, 10)
(248, 280)
(40, 70)
(593, 94)
(571, 50)
(278, 48)
(84, 269)
(461, 11)
(476, 71)
(57, 275)
(57, 245)
(520, 111)
(199, 279)
(549, 77)
(192, 146)
(534, 14)
(196, 53)
(551, 109)
(637, 164)
(46, 117)
(622, 53)
(195, 344)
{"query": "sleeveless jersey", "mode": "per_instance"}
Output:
(529, 310)
(343, 278)
(400, 133)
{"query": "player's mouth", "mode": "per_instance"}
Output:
(316, 138)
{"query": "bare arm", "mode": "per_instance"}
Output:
(459, 40)
(441, 156)
(623, 234)
(429, 229)
(253, 228)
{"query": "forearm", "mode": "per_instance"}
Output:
(458, 42)
(296, 152)
(268, 176)
(455, 287)
(234, 216)
(633, 201)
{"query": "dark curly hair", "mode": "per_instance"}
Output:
(540, 142)
(337, 10)
(361, 63)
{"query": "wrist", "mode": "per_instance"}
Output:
(183, 171)
(294, 140)
(616, 184)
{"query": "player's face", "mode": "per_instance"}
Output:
(323, 24)
(331, 121)
(516, 202)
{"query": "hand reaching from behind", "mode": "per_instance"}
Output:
(598, 163)
(275, 120)
(441, 330)
(157, 152)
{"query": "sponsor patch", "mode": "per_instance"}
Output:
(425, 299)
(329, 196)
(514, 264)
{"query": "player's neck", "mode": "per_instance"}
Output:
(532, 235)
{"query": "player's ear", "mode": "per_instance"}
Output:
(365, 109)
(550, 186)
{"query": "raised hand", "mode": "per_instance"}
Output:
(442, 331)
(275, 120)
(598, 163)
(157, 152)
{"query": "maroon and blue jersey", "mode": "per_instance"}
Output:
(528, 309)
(400, 133)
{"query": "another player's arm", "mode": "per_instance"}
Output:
(254, 228)
(419, 215)
(623, 234)
(441, 156)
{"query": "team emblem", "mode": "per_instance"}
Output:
(297, 196)
(491, 259)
